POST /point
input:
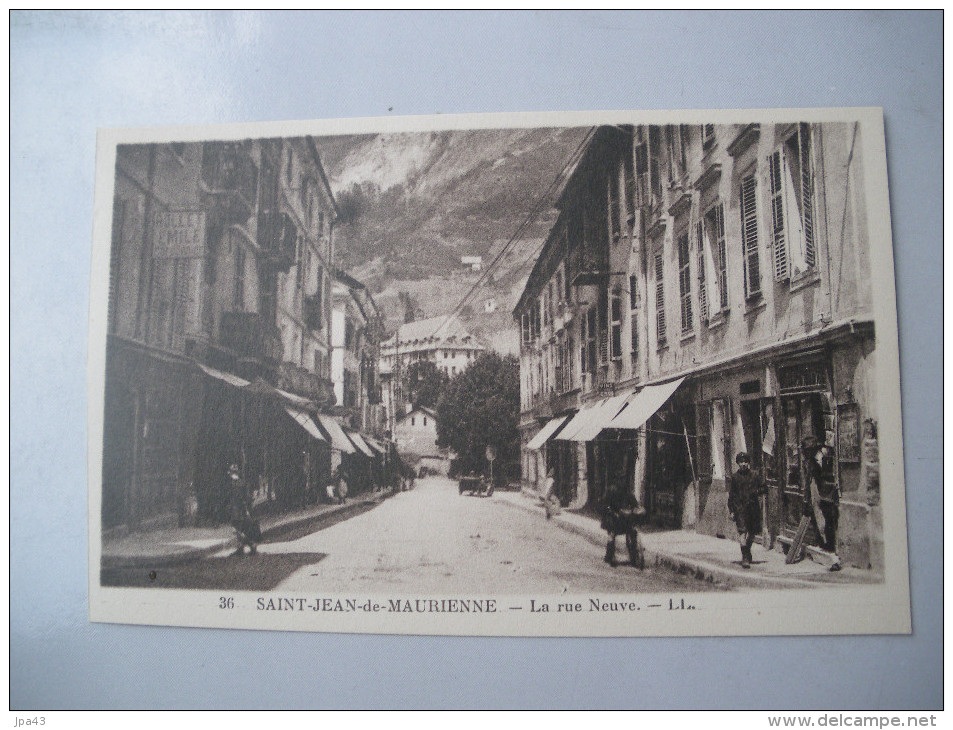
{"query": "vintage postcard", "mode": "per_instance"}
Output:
(561, 374)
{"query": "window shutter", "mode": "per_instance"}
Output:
(781, 270)
(749, 236)
(807, 192)
(702, 283)
(659, 298)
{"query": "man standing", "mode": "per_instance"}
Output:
(246, 526)
(744, 504)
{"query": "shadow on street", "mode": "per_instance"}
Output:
(261, 572)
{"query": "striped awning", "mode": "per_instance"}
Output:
(304, 420)
(643, 405)
(601, 417)
(361, 444)
(339, 439)
(578, 421)
(546, 432)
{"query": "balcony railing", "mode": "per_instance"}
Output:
(250, 336)
(230, 175)
(305, 383)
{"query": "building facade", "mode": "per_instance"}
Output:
(219, 322)
(706, 291)
(440, 340)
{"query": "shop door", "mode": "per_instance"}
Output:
(757, 420)
(803, 417)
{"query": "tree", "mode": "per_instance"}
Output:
(480, 408)
(424, 382)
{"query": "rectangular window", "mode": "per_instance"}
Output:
(591, 339)
(659, 299)
(615, 325)
(676, 152)
(792, 205)
(702, 275)
(749, 236)
(642, 173)
(708, 135)
(633, 292)
(655, 157)
(614, 227)
(685, 283)
(715, 231)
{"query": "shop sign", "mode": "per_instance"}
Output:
(848, 435)
(809, 376)
(178, 234)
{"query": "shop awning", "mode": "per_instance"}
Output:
(643, 405)
(361, 444)
(601, 418)
(339, 440)
(224, 377)
(577, 422)
(546, 432)
(375, 444)
(304, 420)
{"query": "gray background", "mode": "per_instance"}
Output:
(74, 72)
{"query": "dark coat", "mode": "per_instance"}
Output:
(744, 488)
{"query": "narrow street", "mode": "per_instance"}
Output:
(430, 540)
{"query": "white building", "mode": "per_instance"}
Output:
(441, 340)
(416, 436)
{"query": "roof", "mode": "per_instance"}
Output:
(424, 329)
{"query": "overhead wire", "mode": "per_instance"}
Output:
(531, 216)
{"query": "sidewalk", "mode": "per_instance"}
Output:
(181, 545)
(707, 558)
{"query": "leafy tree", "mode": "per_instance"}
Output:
(424, 382)
(480, 408)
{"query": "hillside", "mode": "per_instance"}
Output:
(413, 204)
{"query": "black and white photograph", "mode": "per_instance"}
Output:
(532, 374)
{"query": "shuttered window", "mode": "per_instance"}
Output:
(807, 192)
(715, 227)
(776, 173)
(685, 283)
(655, 165)
(792, 205)
(702, 282)
(659, 300)
(708, 135)
(615, 325)
(749, 236)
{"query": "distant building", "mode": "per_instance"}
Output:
(474, 263)
(356, 327)
(416, 436)
(440, 340)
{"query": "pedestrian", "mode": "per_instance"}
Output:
(821, 499)
(744, 504)
(619, 513)
(550, 498)
(341, 486)
(247, 528)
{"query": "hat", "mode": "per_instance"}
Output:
(742, 457)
